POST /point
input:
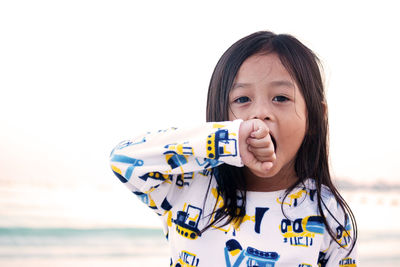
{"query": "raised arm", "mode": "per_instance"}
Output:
(170, 158)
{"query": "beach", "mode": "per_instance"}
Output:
(137, 247)
(34, 233)
(82, 247)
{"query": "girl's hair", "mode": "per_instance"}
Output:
(312, 158)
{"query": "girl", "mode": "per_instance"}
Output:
(252, 186)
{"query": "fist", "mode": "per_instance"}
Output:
(256, 147)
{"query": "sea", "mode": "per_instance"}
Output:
(52, 247)
(40, 230)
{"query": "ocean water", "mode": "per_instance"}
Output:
(136, 247)
(82, 247)
(47, 226)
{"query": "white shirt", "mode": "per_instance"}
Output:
(170, 170)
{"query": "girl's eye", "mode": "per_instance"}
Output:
(242, 99)
(280, 98)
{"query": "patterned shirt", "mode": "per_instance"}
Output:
(170, 171)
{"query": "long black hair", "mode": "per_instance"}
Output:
(312, 158)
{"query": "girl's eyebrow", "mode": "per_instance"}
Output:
(278, 83)
(284, 83)
(237, 85)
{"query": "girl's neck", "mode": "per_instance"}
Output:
(284, 179)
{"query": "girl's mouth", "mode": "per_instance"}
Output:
(273, 141)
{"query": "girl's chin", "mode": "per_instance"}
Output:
(264, 175)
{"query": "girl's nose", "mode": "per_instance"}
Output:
(262, 112)
(261, 118)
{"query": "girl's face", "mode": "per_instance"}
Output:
(264, 89)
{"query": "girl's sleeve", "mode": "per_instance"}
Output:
(156, 164)
(338, 255)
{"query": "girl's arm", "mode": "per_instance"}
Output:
(336, 255)
(153, 164)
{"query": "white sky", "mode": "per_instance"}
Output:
(77, 77)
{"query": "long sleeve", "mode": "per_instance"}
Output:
(156, 164)
(338, 255)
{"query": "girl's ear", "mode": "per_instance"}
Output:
(325, 114)
(325, 109)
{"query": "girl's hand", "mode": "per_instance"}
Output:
(255, 145)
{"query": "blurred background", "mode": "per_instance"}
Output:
(78, 77)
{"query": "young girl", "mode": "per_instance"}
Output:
(252, 186)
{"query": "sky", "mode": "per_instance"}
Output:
(77, 77)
